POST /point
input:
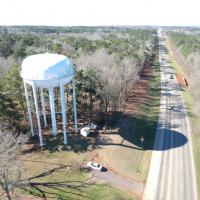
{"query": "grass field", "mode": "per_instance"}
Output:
(193, 116)
(60, 174)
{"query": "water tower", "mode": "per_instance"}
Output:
(48, 71)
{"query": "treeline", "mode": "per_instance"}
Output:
(20, 45)
(187, 43)
(68, 29)
(186, 48)
(107, 65)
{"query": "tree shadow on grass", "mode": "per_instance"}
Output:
(76, 143)
(79, 144)
(56, 189)
(102, 142)
(135, 127)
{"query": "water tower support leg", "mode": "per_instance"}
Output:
(74, 103)
(53, 115)
(63, 112)
(37, 114)
(29, 109)
(43, 107)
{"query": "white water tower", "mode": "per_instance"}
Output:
(48, 71)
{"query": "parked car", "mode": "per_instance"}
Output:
(94, 165)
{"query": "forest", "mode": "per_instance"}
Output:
(186, 47)
(108, 63)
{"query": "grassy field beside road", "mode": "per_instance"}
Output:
(59, 175)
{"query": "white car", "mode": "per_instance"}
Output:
(94, 165)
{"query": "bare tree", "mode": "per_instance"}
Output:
(10, 171)
(5, 63)
(116, 76)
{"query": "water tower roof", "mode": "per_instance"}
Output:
(46, 66)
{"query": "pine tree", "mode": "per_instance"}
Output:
(9, 115)
(13, 86)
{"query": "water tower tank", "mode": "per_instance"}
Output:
(48, 71)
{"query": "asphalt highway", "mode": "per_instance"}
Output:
(172, 174)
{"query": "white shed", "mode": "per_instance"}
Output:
(85, 131)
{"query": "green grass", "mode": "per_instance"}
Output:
(94, 192)
(194, 119)
(147, 126)
(151, 108)
(176, 67)
(57, 175)
(195, 127)
(107, 192)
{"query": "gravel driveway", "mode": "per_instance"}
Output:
(119, 181)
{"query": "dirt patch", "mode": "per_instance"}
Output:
(182, 80)
(139, 95)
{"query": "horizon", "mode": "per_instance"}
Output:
(100, 13)
(117, 26)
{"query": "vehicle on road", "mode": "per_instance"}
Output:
(94, 165)
(171, 77)
(171, 107)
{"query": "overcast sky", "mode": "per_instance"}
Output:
(100, 12)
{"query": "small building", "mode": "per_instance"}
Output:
(85, 131)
